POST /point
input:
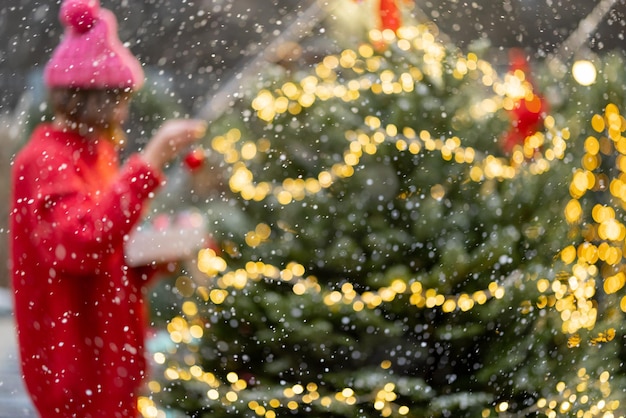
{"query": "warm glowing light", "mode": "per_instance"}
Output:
(584, 72)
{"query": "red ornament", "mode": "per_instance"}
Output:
(194, 159)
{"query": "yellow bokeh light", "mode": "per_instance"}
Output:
(573, 212)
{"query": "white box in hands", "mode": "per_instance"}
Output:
(166, 239)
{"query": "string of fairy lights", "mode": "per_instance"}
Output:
(600, 253)
(571, 293)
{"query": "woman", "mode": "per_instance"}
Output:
(79, 307)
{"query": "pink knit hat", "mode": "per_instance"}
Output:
(90, 54)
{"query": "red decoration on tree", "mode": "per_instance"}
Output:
(528, 112)
(194, 159)
(389, 15)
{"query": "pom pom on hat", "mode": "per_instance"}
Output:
(90, 55)
(80, 15)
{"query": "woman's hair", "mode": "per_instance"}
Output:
(92, 112)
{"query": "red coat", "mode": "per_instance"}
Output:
(79, 308)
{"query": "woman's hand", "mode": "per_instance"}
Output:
(173, 137)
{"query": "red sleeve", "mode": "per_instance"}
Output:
(76, 229)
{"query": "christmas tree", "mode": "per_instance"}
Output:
(407, 231)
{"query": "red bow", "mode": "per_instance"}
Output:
(528, 112)
(389, 14)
